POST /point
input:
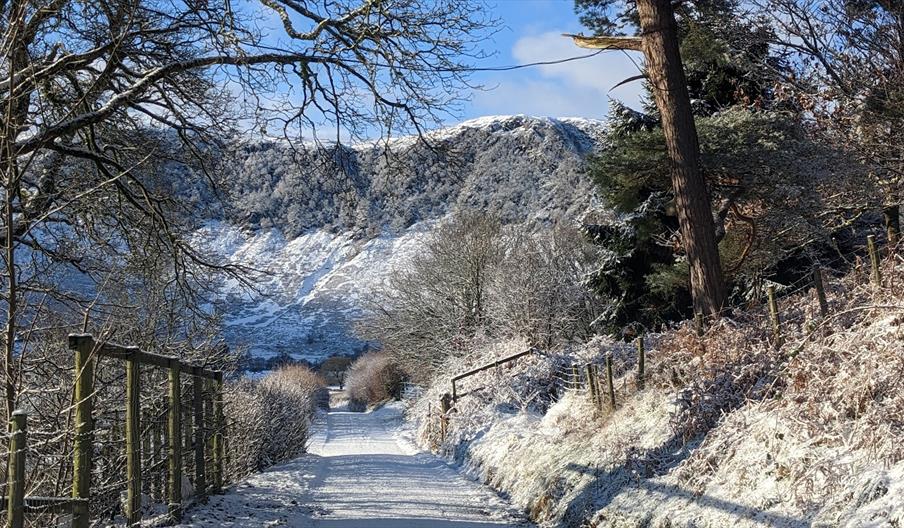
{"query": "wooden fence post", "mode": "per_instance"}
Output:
(15, 508)
(773, 315)
(641, 364)
(133, 450)
(874, 259)
(820, 291)
(445, 405)
(84, 427)
(175, 441)
(599, 387)
(591, 383)
(892, 217)
(198, 405)
(186, 439)
(610, 382)
(219, 425)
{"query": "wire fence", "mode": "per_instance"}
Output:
(767, 310)
(841, 282)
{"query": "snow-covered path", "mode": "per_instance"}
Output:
(358, 474)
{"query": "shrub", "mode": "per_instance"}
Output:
(268, 420)
(373, 378)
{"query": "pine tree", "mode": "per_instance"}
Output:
(664, 71)
(771, 181)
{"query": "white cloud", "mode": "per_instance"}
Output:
(576, 88)
(541, 98)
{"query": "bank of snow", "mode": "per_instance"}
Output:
(730, 431)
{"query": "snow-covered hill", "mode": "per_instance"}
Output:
(311, 290)
(327, 229)
(520, 168)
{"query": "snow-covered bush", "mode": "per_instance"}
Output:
(246, 419)
(268, 419)
(373, 378)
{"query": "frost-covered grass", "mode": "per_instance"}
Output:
(731, 430)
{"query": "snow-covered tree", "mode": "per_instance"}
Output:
(97, 96)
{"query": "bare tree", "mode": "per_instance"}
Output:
(848, 72)
(474, 279)
(435, 305)
(540, 289)
(101, 98)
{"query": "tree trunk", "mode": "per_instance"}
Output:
(665, 72)
(11, 119)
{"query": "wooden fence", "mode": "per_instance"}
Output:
(494, 364)
(600, 386)
(207, 438)
(594, 381)
(447, 400)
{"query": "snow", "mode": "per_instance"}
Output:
(824, 450)
(359, 473)
(878, 501)
(594, 127)
(312, 288)
(493, 123)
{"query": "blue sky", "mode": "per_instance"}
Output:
(532, 32)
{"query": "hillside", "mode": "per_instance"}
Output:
(326, 227)
(731, 429)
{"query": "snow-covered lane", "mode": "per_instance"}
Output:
(358, 475)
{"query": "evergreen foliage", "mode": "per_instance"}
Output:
(769, 180)
(763, 170)
(723, 52)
